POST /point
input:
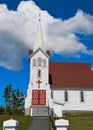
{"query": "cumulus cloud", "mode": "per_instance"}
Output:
(18, 33)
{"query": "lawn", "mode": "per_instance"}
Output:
(24, 121)
(80, 120)
(77, 120)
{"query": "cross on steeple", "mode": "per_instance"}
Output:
(39, 83)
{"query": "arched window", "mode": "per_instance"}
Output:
(44, 62)
(39, 61)
(34, 62)
(82, 96)
(66, 96)
(39, 73)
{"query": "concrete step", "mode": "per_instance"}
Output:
(40, 111)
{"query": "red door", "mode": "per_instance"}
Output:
(38, 97)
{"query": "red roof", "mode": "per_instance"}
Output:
(30, 52)
(70, 75)
(48, 52)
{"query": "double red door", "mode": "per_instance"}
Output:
(38, 97)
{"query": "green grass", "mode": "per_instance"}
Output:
(80, 120)
(77, 120)
(24, 121)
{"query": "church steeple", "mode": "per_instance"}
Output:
(39, 38)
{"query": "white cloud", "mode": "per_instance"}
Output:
(80, 23)
(18, 32)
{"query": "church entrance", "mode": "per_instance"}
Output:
(38, 97)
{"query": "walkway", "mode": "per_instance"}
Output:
(40, 123)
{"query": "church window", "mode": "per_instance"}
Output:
(44, 62)
(82, 96)
(52, 94)
(34, 62)
(66, 96)
(39, 61)
(39, 73)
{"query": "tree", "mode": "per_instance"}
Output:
(14, 100)
(17, 101)
(7, 96)
(1, 110)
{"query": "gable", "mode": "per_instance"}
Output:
(39, 51)
(38, 54)
(70, 75)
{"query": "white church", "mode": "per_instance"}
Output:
(56, 86)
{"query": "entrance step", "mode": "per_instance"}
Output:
(42, 111)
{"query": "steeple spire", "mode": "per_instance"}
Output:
(39, 39)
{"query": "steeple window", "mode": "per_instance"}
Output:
(39, 61)
(39, 73)
(44, 63)
(34, 62)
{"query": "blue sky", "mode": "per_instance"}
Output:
(70, 21)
